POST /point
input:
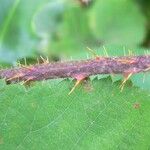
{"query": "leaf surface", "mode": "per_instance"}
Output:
(96, 115)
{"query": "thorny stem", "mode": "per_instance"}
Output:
(78, 69)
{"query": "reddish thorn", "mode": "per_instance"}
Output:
(126, 77)
(80, 78)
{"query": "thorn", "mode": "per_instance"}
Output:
(125, 61)
(105, 50)
(94, 53)
(79, 78)
(130, 52)
(25, 65)
(76, 84)
(126, 77)
(26, 82)
(15, 77)
(147, 69)
(28, 67)
(25, 61)
(45, 61)
(124, 50)
(18, 64)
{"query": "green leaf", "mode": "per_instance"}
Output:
(48, 18)
(117, 22)
(17, 37)
(95, 116)
(74, 33)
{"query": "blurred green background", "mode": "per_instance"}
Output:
(62, 29)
